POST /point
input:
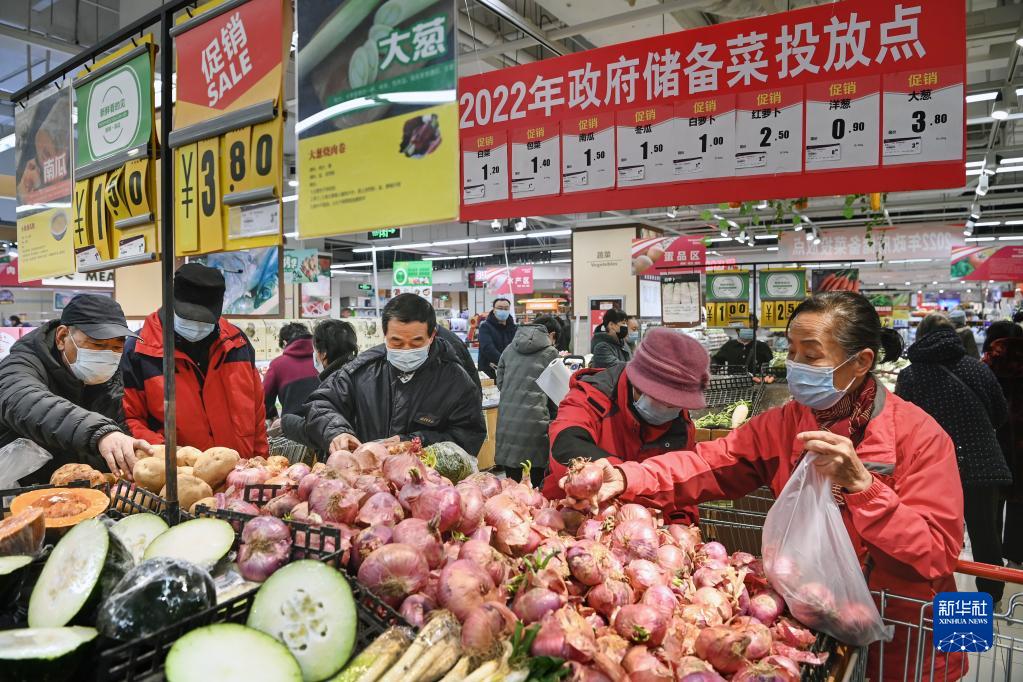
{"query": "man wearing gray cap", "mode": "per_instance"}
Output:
(60, 387)
(958, 318)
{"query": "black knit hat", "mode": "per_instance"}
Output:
(198, 293)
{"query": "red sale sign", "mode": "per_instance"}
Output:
(978, 263)
(866, 95)
(507, 281)
(661, 255)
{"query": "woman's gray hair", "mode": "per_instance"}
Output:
(933, 323)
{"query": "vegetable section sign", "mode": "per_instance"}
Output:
(780, 292)
(728, 298)
(858, 93)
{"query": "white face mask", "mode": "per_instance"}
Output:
(316, 362)
(408, 360)
(93, 367)
(190, 330)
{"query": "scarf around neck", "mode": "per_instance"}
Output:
(856, 407)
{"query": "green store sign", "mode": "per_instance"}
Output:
(115, 110)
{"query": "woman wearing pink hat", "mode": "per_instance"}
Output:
(633, 411)
(893, 467)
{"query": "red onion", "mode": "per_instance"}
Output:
(423, 536)
(590, 529)
(367, 541)
(235, 504)
(243, 475)
(741, 559)
(335, 501)
(638, 659)
(660, 597)
(759, 634)
(440, 502)
(393, 572)
(306, 485)
(643, 574)
(715, 600)
(637, 538)
(370, 455)
(583, 479)
(585, 673)
(533, 604)
(766, 607)
(549, 517)
(432, 587)
(787, 632)
(564, 634)
(590, 562)
(784, 662)
(488, 484)
(723, 648)
(571, 518)
(814, 603)
(281, 505)
(342, 460)
(380, 508)
(686, 537)
(709, 577)
(472, 501)
(525, 495)
(296, 472)
(641, 624)
(714, 550)
(266, 544)
(371, 484)
(608, 596)
(485, 556)
(483, 534)
(764, 671)
(411, 491)
(633, 511)
(415, 607)
(486, 624)
(510, 521)
(300, 512)
(396, 469)
(673, 559)
(692, 669)
(463, 587)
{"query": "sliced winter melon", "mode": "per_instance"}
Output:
(138, 531)
(228, 652)
(43, 654)
(204, 542)
(309, 607)
(23, 533)
(12, 575)
(84, 566)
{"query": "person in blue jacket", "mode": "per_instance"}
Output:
(496, 332)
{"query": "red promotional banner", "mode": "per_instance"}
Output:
(1000, 263)
(660, 255)
(854, 94)
(507, 281)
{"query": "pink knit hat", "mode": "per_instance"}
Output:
(671, 368)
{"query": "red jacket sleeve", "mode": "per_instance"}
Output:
(916, 529)
(261, 448)
(136, 411)
(722, 469)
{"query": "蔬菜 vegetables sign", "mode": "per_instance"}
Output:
(855, 94)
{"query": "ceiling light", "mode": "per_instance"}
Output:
(724, 233)
(360, 264)
(969, 291)
(816, 240)
(561, 250)
(456, 242)
(495, 224)
(1010, 239)
(772, 248)
(975, 164)
(520, 224)
(799, 227)
(288, 199)
(765, 236)
(1000, 111)
(989, 223)
(908, 283)
(7, 142)
(503, 238)
(1014, 222)
(919, 291)
(809, 235)
(880, 284)
(551, 233)
(673, 212)
(982, 97)
(734, 225)
(560, 260)
(763, 206)
(983, 184)
(941, 291)
(970, 172)
(719, 239)
(292, 183)
(990, 281)
(979, 239)
(934, 282)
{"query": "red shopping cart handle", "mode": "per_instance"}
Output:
(991, 572)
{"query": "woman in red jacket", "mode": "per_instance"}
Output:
(893, 468)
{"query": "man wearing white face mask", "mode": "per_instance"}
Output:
(218, 392)
(60, 387)
(412, 386)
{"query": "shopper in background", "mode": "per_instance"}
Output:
(526, 411)
(346, 313)
(999, 330)
(893, 468)
(292, 375)
(495, 333)
(745, 351)
(608, 345)
(958, 319)
(565, 335)
(60, 387)
(219, 395)
(964, 397)
(1005, 358)
(15, 322)
(632, 339)
(631, 412)
(412, 386)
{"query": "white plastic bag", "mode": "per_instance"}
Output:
(811, 563)
(554, 380)
(20, 458)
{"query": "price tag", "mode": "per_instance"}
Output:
(186, 173)
(136, 186)
(588, 152)
(80, 214)
(776, 314)
(100, 219)
(485, 168)
(769, 132)
(728, 314)
(266, 148)
(208, 196)
(923, 116)
(843, 122)
(132, 246)
(536, 161)
(706, 138)
(114, 197)
(646, 146)
(86, 256)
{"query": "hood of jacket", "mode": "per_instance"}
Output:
(300, 348)
(531, 339)
(940, 346)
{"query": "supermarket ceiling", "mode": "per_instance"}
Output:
(38, 34)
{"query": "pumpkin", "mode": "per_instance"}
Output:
(23, 533)
(69, 473)
(63, 507)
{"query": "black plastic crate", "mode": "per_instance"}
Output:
(128, 498)
(308, 542)
(261, 493)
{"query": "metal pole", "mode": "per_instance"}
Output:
(167, 261)
(376, 284)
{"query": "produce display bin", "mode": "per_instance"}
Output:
(725, 389)
(128, 498)
(261, 493)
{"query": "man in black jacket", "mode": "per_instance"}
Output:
(61, 388)
(412, 386)
(495, 333)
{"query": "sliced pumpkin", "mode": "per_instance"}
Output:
(69, 473)
(63, 507)
(23, 533)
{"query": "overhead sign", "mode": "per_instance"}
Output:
(42, 159)
(115, 110)
(658, 255)
(727, 297)
(503, 281)
(1000, 263)
(902, 243)
(378, 118)
(413, 277)
(862, 94)
(383, 235)
(102, 279)
(780, 292)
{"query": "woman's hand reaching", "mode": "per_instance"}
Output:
(612, 486)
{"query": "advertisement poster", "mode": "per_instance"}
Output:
(680, 300)
(866, 95)
(252, 278)
(781, 290)
(658, 254)
(413, 277)
(316, 298)
(599, 306)
(506, 282)
(42, 159)
(728, 298)
(907, 243)
(377, 115)
(302, 266)
(847, 279)
(1000, 263)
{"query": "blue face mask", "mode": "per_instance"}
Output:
(653, 412)
(633, 337)
(190, 330)
(408, 360)
(501, 315)
(746, 334)
(814, 386)
(317, 364)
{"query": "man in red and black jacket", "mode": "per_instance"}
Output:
(632, 411)
(219, 395)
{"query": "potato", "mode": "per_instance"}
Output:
(187, 456)
(150, 474)
(215, 464)
(210, 502)
(190, 490)
(157, 452)
(76, 472)
(186, 470)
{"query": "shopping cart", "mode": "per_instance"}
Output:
(739, 526)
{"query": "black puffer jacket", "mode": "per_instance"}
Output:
(42, 401)
(969, 413)
(368, 399)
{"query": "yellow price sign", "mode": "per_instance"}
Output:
(776, 314)
(267, 154)
(114, 197)
(211, 218)
(80, 206)
(136, 186)
(236, 161)
(100, 221)
(186, 187)
(727, 314)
